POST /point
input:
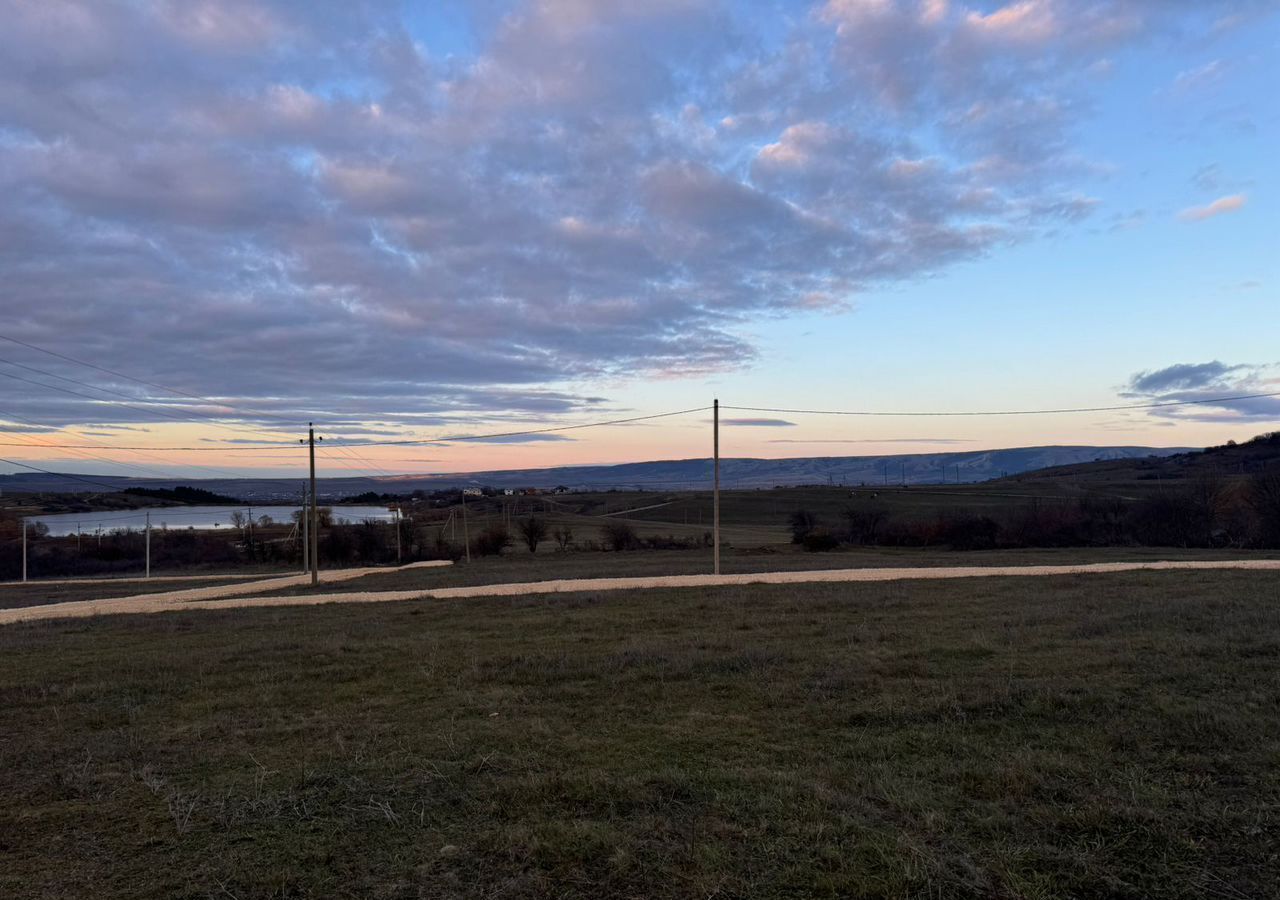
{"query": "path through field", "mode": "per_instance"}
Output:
(235, 595)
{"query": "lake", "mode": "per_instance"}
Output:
(174, 517)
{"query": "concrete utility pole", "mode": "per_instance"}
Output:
(715, 502)
(24, 548)
(148, 543)
(396, 521)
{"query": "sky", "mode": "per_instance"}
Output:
(419, 221)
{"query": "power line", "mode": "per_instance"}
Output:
(168, 390)
(215, 420)
(1002, 412)
(115, 488)
(141, 451)
(420, 441)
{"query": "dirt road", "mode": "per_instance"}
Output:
(236, 595)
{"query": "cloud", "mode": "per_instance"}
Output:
(1200, 77)
(513, 439)
(1218, 207)
(1203, 383)
(323, 211)
(759, 423)
(876, 441)
(1182, 376)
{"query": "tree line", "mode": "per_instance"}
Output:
(1206, 511)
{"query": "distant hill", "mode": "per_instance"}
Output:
(1262, 454)
(912, 468)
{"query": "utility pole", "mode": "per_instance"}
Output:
(397, 526)
(77, 538)
(304, 517)
(715, 503)
(148, 543)
(24, 548)
(315, 506)
(466, 535)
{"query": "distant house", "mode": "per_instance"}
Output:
(508, 492)
(472, 492)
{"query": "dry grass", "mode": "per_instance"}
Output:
(1080, 736)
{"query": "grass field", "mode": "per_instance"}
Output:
(548, 565)
(34, 593)
(1064, 737)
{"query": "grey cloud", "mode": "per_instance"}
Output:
(759, 423)
(1182, 376)
(876, 441)
(519, 439)
(298, 209)
(1202, 384)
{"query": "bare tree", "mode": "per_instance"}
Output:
(564, 537)
(1264, 499)
(533, 530)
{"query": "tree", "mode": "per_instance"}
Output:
(1207, 495)
(533, 530)
(564, 537)
(239, 519)
(801, 522)
(865, 523)
(1263, 498)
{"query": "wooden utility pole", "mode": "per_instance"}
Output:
(24, 548)
(148, 543)
(315, 506)
(466, 534)
(304, 516)
(715, 502)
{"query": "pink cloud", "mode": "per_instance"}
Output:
(1216, 208)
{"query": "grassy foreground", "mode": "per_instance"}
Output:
(1082, 736)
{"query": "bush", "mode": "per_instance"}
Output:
(619, 536)
(801, 523)
(970, 532)
(819, 540)
(863, 523)
(491, 541)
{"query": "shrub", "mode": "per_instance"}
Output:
(801, 522)
(819, 540)
(970, 532)
(619, 536)
(491, 541)
(863, 523)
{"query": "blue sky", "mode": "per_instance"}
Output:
(408, 220)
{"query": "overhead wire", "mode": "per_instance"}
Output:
(143, 381)
(1003, 412)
